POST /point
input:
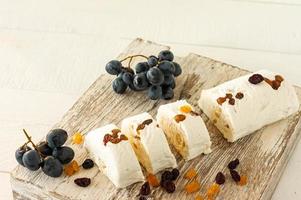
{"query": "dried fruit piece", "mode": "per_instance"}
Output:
(229, 95)
(279, 78)
(147, 122)
(106, 138)
(140, 127)
(232, 101)
(153, 181)
(82, 182)
(186, 109)
(192, 187)
(235, 175)
(169, 186)
(115, 133)
(175, 173)
(194, 113)
(199, 197)
(221, 100)
(77, 138)
(239, 95)
(243, 180)
(191, 173)
(276, 84)
(88, 164)
(71, 168)
(256, 78)
(178, 118)
(166, 176)
(233, 164)
(145, 189)
(123, 137)
(213, 190)
(220, 178)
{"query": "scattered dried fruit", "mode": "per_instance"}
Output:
(71, 168)
(239, 95)
(192, 187)
(166, 176)
(233, 164)
(153, 181)
(77, 138)
(145, 189)
(276, 84)
(140, 127)
(213, 190)
(191, 173)
(179, 117)
(221, 100)
(113, 138)
(279, 78)
(232, 101)
(175, 173)
(186, 109)
(256, 78)
(123, 137)
(82, 182)
(229, 95)
(106, 138)
(220, 178)
(115, 133)
(147, 122)
(235, 175)
(243, 180)
(169, 186)
(199, 197)
(88, 164)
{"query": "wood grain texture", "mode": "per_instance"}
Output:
(263, 155)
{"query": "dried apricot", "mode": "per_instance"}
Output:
(191, 173)
(71, 168)
(192, 187)
(213, 190)
(77, 138)
(186, 109)
(153, 181)
(243, 180)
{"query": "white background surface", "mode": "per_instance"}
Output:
(52, 50)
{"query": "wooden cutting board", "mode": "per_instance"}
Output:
(263, 155)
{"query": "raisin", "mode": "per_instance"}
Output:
(193, 113)
(77, 138)
(220, 178)
(233, 164)
(178, 118)
(276, 84)
(145, 189)
(213, 190)
(140, 127)
(115, 140)
(191, 173)
(123, 137)
(71, 168)
(88, 164)
(232, 101)
(221, 100)
(239, 95)
(166, 176)
(256, 78)
(243, 180)
(229, 95)
(169, 186)
(235, 175)
(175, 174)
(279, 78)
(82, 182)
(147, 122)
(115, 133)
(106, 138)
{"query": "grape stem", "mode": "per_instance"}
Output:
(29, 140)
(131, 58)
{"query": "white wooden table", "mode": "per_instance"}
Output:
(52, 50)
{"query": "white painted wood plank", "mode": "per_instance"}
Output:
(266, 27)
(5, 188)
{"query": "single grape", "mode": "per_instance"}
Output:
(31, 160)
(168, 79)
(167, 93)
(166, 67)
(172, 84)
(165, 55)
(52, 167)
(44, 149)
(129, 70)
(140, 81)
(141, 67)
(127, 78)
(152, 61)
(119, 86)
(132, 87)
(56, 138)
(155, 92)
(178, 69)
(20, 152)
(63, 154)
(113, 67)
(155, 76)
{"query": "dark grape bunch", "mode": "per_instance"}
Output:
(157, 75)
(50, 155)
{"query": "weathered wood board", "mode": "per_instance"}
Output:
(263, 155)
